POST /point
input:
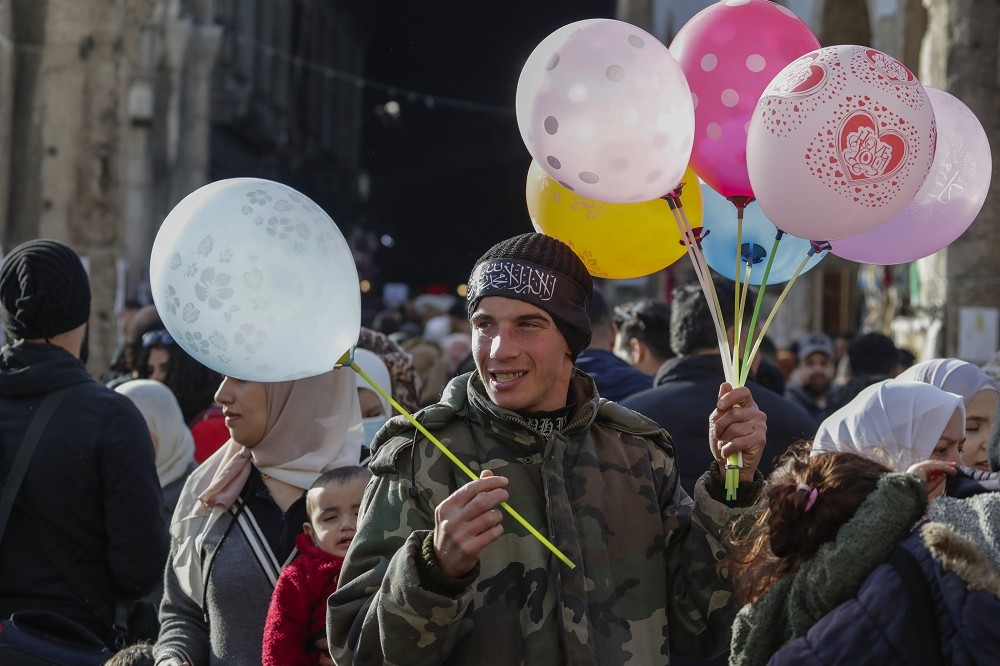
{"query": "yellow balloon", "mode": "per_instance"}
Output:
(616, 241)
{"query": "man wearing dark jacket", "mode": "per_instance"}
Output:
(686, 387)
(615, 379)
(90, 489)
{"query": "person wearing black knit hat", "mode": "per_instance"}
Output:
(44, 291)
(91, 487)
(596, 480)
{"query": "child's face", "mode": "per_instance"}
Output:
(333, 516)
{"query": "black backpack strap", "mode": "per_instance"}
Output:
(926, 633)
(16, 474)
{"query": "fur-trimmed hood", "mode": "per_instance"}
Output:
(964, 536)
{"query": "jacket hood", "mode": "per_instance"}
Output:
(28, 369)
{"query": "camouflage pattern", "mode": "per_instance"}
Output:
(605, 491)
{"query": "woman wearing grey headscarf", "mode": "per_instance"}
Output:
(979, 391)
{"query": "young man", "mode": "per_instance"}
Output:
(438, 573)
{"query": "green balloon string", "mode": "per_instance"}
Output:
(747, 356)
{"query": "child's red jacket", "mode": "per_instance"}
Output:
(296, 618)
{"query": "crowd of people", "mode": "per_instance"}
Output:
(182, 517)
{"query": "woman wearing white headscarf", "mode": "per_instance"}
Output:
(979, 391)
(235, 525)
(375, 408)
(897, 423)
(172, 441)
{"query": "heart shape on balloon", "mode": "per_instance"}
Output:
(804, 79)
(868, 153)
(893, 69)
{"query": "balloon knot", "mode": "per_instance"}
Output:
(752, 253)
(819, 246)
(741, 201)
(698, 234)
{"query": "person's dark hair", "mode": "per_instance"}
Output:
(872, 354)
(193, 384)
(769, 376)
(904, 358)
(387, 321)
(691, 323)
(145, 320)
(783, 533)
(337, 475)
(648, 321)
(137, 654)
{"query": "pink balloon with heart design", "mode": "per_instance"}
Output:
(841, 140)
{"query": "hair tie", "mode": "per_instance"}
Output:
(813, 494)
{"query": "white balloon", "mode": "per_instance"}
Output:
(255, 281)
(605, 110)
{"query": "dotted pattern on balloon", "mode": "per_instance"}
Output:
(605, 109)
(255, 281)
(616, 241)
(730, 52)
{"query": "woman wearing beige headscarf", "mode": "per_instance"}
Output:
(235, 525)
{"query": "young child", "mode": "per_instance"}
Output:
(296, 618)
(834, 570)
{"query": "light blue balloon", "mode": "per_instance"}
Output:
(719, 236)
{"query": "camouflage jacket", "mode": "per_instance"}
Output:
(604, 490)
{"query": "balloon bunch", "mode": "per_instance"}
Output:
(816, 150)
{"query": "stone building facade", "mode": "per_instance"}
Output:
(111, 111)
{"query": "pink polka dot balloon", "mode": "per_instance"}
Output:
(605, 110)
(729, 52)
(841, 140)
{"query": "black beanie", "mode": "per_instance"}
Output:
(44, 290)
(543, 271)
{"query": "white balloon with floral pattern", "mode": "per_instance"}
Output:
(254, 280)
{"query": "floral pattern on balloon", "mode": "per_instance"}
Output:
(255, 281)
(840, 142)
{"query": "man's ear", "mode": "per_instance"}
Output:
(638, 350)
